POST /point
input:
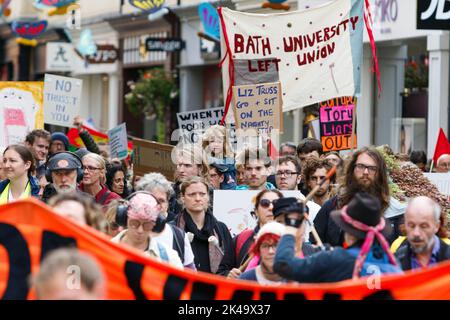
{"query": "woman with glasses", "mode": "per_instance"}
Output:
(142, 211)
(265, 246)
(232, 261)
(94, 170)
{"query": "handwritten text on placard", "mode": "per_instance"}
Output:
(258, 107)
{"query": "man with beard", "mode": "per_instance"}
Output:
(315, 171)
(423, 248)
(64, 172)
(366, 172)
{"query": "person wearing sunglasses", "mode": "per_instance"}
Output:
(94, 171)
(263, 212)
(142, 211)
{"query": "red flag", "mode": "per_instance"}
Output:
(273, 152)
(442, 146)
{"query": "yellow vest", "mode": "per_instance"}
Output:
(398, 242)
(4, 197)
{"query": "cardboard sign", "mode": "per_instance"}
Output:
(317, 52)
(336, 124)
(59, 57)
(236, 213)
(21, 110)
(29, 230)
(118, 142)
(152, 156)
(193, 124)
(258, 107)
(62, 99)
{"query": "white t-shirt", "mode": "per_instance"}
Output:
(153, 250)
(166, 237)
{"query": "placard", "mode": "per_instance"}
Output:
(259, 107)
(192, 124)
(441, 181)
(150, 156)
(118, 142)
(336, 124)
(21, 110)
(236, 213)
(62, 99)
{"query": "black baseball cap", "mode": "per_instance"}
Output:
(63, 161)
(286, 205)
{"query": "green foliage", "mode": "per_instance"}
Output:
(152, 96)
(416, 75)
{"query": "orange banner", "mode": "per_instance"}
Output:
(29, 229)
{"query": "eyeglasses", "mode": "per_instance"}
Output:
(287, 173)
(89, 168)
(135, 224)
(265, 203)
(266, 246)
(362, 167)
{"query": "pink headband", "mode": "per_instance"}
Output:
(370, 236)
(143, 207)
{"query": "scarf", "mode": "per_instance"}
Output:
(372, 232)
(209, 229)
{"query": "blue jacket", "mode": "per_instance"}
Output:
(325, 266)
(34, 184)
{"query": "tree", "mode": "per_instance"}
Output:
(152, 96)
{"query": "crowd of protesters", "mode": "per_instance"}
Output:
(339, 233)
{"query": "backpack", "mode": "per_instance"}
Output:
(382, 265)
(241, 239)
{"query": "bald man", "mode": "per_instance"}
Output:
(443, 163)
(423, 248)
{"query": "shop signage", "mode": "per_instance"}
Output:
(164, 44)
(433, 14)
(105, 54)
(59, 57)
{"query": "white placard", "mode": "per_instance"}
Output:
(192, 124)
(62, 98)
(441, 181)
(233, 208)
(59, 57)
(118, 142)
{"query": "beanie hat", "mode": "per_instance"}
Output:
(61, 137)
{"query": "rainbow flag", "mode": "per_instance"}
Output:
(98, 136)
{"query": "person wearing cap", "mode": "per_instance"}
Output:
(142, 211)
(287, 205)
(59, 143)
(63, 168)
(242, 243)
(368, 250)
(264, 248)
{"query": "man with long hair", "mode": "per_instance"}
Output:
(365, 172)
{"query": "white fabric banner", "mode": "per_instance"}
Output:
(316, 53)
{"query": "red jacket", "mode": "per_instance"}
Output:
(104, 196)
